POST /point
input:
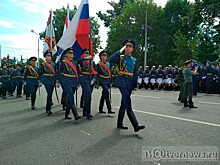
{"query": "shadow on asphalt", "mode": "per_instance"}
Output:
(108, 142)
(185, 110)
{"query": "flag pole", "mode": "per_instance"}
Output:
(51, 33)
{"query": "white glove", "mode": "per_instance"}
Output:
(0, 84)
(122, 49)
(24, 83)
(92, 82)
(133, 91)
(88, 57)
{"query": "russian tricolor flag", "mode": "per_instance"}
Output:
(66, 25)
(77, 34)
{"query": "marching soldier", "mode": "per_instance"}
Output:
(12, 81)
(4, 73)
(104, 79)
(31, 76)
(19, 74)
(69, 80)
(48, 79)
(126, 82)
(87, 81)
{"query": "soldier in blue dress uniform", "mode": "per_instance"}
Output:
(104, 80)
(202, 78)
(126, 82)
(31, 76)
(160, 77)
(87, 81)
(19, 81)
(146, 77)
(12, 80)
(69, 79)
(195, 77)
(4, 73)
(209, 77)
(153, 77)
(140, 77)
(48, 79)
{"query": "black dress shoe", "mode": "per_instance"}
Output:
(49, 113)
(89, 117)
(68, 117)
(192, 106)
(33, 107)
(102, 112)
(122, 127)
(77, 117)
(138, 128)
(111, 112)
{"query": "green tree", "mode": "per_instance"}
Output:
(131, 23)
(112, 13)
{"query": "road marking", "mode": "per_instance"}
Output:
(133, 95)
(146, 96)
(85, 133)
(177, 118)
(203, 102)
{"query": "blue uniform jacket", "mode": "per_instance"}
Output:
(197, 75)
(4, 73)
(30, 77)
(153, 74)
(140, 73)
(125, 64)
(67, 75)
(160, 73)
(103, 76)
(146, 73)
(86, 74)
(46, 75)
(209, 72)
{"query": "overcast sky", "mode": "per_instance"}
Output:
(19, 17)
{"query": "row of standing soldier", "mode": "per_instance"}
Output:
(206, 80)
(71, 74)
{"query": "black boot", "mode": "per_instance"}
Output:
(88, 110)
(121, 114)
(81, 102)
(109, 107)
(134, 122)
(101, 104)
(75, 114)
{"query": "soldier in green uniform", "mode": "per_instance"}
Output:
(181, 84)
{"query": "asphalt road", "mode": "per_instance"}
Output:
(29, 137)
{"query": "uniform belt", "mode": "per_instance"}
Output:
(31, 77)
(18, 76)
(160, 74)
(48, 75)
(13, 77)
(102, 76)
(68, 75)
(153, 75)
(209, 74)
(197, 73)
(125, 73)
(170, 75)
(87, 73)
(5, 76)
